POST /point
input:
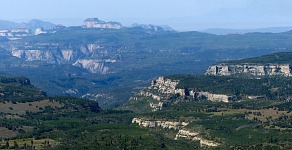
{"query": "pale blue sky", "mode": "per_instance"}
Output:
(179, 14)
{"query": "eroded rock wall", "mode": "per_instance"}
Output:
(253, 69)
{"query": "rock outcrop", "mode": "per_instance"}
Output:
(182, 133)
(15, 34)
(164, 92)
(160, 90)
(96, 23)
(214, 97)
(88, 56)
(147, 123)
(195, 137)
(252, 69)
(33, 55)
(94, 66)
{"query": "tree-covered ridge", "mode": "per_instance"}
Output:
(72, 123)
(275, 58)
(22, 81)
(276, 88)
(19, 90)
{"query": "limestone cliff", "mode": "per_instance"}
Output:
(88, 56)
(253, 69)
(96, 23)
(32, 55)
(94, 66)
(195, 137)
(180, 126)
(163, 92)
(147, 123)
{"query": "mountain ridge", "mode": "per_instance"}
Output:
(222, 31)
(31, 24)
(124, 57)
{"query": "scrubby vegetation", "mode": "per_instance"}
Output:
(276, 58)
(272, 88)
(74, 123)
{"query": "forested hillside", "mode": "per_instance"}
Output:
(29, 119)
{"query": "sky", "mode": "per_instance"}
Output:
(182, 15)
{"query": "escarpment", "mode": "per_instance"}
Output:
(252, 69)
(179, 127)
(164, 91)
(147, 123)
(92, 57)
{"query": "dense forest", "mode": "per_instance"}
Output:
(74, 123)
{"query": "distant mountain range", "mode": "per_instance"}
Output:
(32, 24)
(221, 31)
(88, 23)
(35, 23)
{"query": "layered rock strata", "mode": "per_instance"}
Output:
(182, 133)
(253, 69)
(164, 91)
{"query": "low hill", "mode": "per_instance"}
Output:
(19, 101)
(19, 90)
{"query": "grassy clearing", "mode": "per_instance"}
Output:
(29, 143)
(6, 133)
(22, 108)
(262, 114)
(265, 115)
(226, 111)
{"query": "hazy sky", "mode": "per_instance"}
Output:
(179, 14)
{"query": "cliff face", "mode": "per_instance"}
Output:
(163, 92)
(146, 123)
(87, 56)
(180, 126)
(160, 91)
(253, 69)
(195, 137)
(32, 55)
(96, 23)
(94, 66)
